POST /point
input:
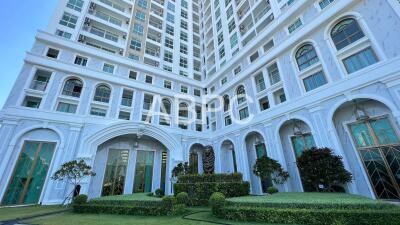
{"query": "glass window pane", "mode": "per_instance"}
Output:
(384, 131)
(361, 135)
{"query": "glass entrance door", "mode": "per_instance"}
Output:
(115, 173)
(260, 152)
(379, 148)
(144, 171)
(30, 173)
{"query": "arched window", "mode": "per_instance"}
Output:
(73, 88)
(102, 93)
(306, 56)
(241, 94)
(346, 32)
(226, 103)
(166, 106)
(183, 110)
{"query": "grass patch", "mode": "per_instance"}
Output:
(310, 200)
(19, 212)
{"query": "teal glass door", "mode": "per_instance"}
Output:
(115, 173)
(302, 142)
(30, 173)
(379, 148)
(261, 151)
(144, 171)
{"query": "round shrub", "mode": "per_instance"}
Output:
(80, 200)
(217, 202)
(182, 198)
(159, 193)
(272, 190)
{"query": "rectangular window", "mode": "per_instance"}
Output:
(183, 62)
(243, 113)
(63, 34)
(170, 30)
(228, 120)
(273, 74)
(224, 80)
(98, 112)
(124, 115)
(314, 81)
(108, 68)
(234, 40)
(147, 101)
(75, 5)
(168, 57)
(169, 43)
(40, 80)
(360, 60)
(80, 60)
(132, 75)
(260, 83)
(138, 29)
(237, 70)
(264, 103)
(198, 112)
(221, 52)
(231, 25)
(149, 79)
(32, 102)
(143, 4)
(127, 98)
(52, 53)
(66, 107)
(184, 49)
(294, 26)
(199, 127)
(324, 3)
(140, 16)
(254, 57)
(136, 45)
(170, 18)
(69, 20)
(184, 89)
(270, 44)
(197, 92)
(167, 84)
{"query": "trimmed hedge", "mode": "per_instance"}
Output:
(199, 193)
(312, 216)
(208, 178)
(157, 207)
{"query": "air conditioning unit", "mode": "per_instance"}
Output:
(124, 36)
(121, 51)
(87, 21)
(92, 6)
(127, 22)
(159, 35)
(81, 38)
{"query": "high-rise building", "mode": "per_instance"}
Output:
(135, 87)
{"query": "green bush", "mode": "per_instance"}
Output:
(217, 202)
(80, 200)
(272, 190)
(200, 193)
(159, 193)
(311, 216)
(167, 206)
(182, 198)
(206, 178)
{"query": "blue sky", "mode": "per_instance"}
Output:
(19, 22)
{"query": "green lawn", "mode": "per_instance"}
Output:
(95, 219)
(13, 213)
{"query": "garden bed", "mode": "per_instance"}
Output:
(310, 209)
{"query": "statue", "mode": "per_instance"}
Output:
(208, 160)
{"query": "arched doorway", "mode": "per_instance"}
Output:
(32, 168)
(128, 164)
(296, 137)
(371, 142)
(196, 158)
(256, 148)
(228, 157)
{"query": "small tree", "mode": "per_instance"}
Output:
(181, 169)
(73, 172)
(266, 167)
(321, 169)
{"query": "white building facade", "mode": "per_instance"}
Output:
(135, 87)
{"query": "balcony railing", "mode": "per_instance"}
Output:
(38, 85)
